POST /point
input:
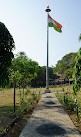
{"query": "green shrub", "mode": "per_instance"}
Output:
(2, 131)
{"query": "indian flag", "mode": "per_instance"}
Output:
(55, 24)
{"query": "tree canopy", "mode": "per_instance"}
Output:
(23, 70)
(6, 53)
(65, 65)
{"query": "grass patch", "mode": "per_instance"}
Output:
(25, 102)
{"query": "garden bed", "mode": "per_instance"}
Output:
(70, 106)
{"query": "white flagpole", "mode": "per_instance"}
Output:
(47, 67)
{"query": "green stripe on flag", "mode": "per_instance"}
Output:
(55, 27)
(50, 24)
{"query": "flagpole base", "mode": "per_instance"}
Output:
(47, 91)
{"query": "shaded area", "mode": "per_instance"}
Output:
(50, 102)
(8, 108)
(49, 97)
(6, 115)
(50, 130)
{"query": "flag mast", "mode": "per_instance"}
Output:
(47, 73)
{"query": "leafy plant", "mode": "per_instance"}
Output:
(27, 104)
(77, 110)
(2, 131)
(77, 73)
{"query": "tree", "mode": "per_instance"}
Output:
(65, 66)
(77, 72)
(26, 67)
(52, 75)
(40, 80)
(6, 53)
(14, 78)
(18, 72)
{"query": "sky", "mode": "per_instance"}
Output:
(26, 20)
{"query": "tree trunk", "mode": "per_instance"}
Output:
(14, 97)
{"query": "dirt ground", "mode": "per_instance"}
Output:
(18, 126)
(76, 123)
(72, 116)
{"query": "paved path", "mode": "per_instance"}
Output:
(49, 120)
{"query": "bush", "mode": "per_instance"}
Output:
(69, 103)
(27, 104)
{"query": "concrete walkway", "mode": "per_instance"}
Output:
(49, 120)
